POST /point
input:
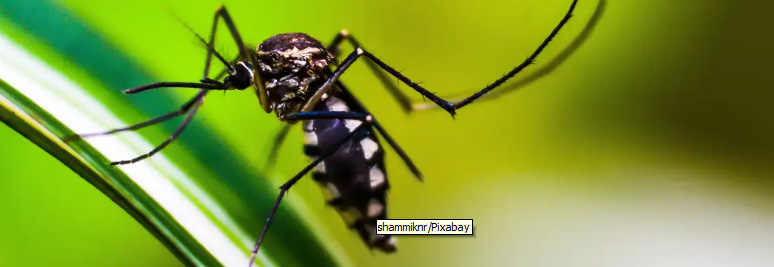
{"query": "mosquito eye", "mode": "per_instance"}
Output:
(242, 77)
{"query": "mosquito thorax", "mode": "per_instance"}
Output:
(292, 67)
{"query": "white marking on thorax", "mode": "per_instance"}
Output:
(296, 53)
(369, 147)
(377, 177)
(271, 84)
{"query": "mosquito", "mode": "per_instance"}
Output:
(297, 78)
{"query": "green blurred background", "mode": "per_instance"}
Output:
(650, 146)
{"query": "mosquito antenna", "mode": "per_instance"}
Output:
(209, 47)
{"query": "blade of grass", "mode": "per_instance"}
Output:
(15, 112)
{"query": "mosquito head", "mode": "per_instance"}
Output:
(240, 76)
(292, 66)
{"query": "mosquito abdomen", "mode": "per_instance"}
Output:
(353, 179)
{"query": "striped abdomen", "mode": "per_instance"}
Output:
(353, 178)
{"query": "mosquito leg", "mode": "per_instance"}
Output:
(286, 186)
(168, 141)
(490, 87)
(546, 68)
(446, 105)
(403, 100)
(183, 109)
(279, 138)
(550, 66)
(343, 35)
(203, 89)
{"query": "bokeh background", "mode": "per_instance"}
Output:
(650, 146)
